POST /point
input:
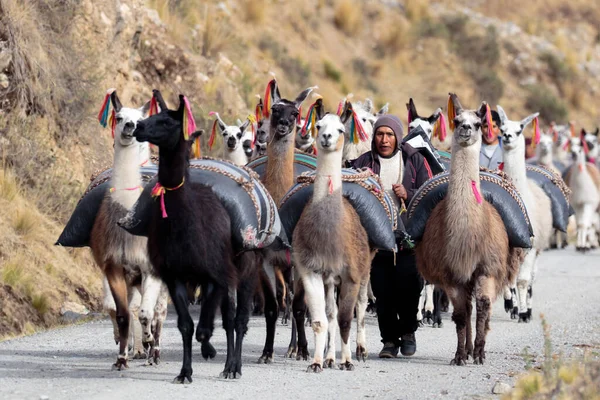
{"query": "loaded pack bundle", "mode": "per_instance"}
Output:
(496, 188)
(255, 222)
(363, 189)
(558, 192)
(419, 140)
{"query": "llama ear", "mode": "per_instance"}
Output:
(347, 112)
(196, 134)
(115, 101)
(458, 108)
(502, 114)
(583, 132)
(596, 132)
(412, 110)
(220, 122)
(275, 95)
(161, 102)
(145, 108)
(435, 116)
(482, 110)
(384, 110)
(244, 125)
(369, 106)
(303, 95)
(319, 109)
(527, 120)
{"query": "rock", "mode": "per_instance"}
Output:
(4, 81)
(70, 317)
(76, 308)
(501, 388)
(154, 17)
(5, 59)
(105, 19)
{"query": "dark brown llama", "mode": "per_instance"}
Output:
(189, 242)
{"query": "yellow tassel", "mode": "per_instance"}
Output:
(451, 113)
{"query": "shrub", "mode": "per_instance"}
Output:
(254, 10)
(488, 84)
(331, 72)
(540, 98)
(348, 16)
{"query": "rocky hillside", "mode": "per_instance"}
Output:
(57, 58)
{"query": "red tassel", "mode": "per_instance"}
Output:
(153, 107)
(113, 123)
(213, 135)
(488, 119)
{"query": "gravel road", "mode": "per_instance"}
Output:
(74, 362)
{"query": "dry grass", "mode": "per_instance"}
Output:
(8, 185)
(348, 16)
(416, 10)
(25, 221)
(13, 272)
(254, 10)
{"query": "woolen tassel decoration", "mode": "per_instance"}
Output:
(189, 124)
(112, 120)
(213, 134)
(360, 131)
(258, 111)
(310, 122)
(153, 107)
(488, 120)
(267, 105)
(451, 113)
(439, 130)
(572, 129)
(535, 140)
(196, 151)
(340, 108)
(476, 192)
(253, 125)
(104, 110)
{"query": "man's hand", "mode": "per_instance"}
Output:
(400, 191)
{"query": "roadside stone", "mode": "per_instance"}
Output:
(501, 388)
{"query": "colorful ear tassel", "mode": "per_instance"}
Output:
(105, 117)
(253, 125)
(535, 140)
(189, 124)
(451, 113)
(357, 132)
(439, 129)
(153, 107)
(310, 122)
(340, 108)
(267, 105)
(213, 132)
(488, 120)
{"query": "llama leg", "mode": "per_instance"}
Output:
(372, 299)
(421, 307)
(469, 328)
(332, 313)
(299, 309)
(179, 296)
(437, 308)
(315, 298)
(508, 305)
(484, 292)
(530, 287)
(211, 296)
(361, 309)
(108, 304)
(349, 292)
(115, 275)
(228, 307)
(428, 304)
(135, 328)
(160, 314)
(151, 287)
(523, 282)
(459, 316)
(268, 283)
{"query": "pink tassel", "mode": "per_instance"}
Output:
(330, 185)
(340, 108)
(189, 122)
(409, 118)
(476, 192)
(442, 122)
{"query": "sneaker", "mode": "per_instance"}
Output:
(390, 350)
(408, 344)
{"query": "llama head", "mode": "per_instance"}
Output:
(426, 123)
(126, 120)
(467, 123)
(512, 131)
(591, 140)
(166, 128)
(261, 148)
(262, 130)
(545, 146)
(364, 116)
(284, 113)
(330, 128)
(561, 135)
(233, 135)
(577, 150)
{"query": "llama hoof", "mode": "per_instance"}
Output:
(524, 317)
(421, 324)
(459, 361)
(315, 367)
(139, 355)
(508, 306)
(302, 354)
(361, 353)
(266, 358)
(329, 363)
(514, 313)
(181, 379)
(347, 366)
(478, 360)
(232, 372)
(438, 325)
(121, 364)
(292, 352)
(208, 351)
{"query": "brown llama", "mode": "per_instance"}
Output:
(338, 256)
(190, 243)
(465, 249)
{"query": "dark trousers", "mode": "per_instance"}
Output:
(397, 289)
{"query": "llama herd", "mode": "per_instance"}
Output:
(479, 238)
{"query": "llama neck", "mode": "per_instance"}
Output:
(464, 173)
(279, 176)
(514, 166)
(126, 177)
(237, 156)
(328, 178)
(172, 165)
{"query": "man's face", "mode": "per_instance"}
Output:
(385, 141)
(495, 132)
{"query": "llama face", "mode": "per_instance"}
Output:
(283, 118)
(545, 145)
(577, 150)
(591, 140)
(127, 119)
(512, 131)
(303, 142)
(426, 124)
(163, 129)
(261, 148)
(262, 130)
(467, 130)
(330, 136)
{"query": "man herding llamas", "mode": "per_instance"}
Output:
(396, 283)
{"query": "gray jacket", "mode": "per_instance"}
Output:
(492, 162)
